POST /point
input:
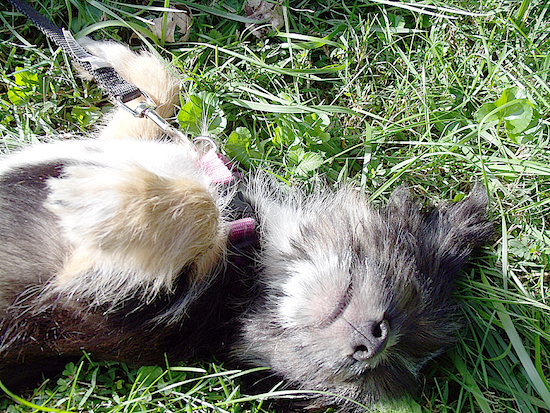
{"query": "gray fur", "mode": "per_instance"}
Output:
(350, 300)
(354, 301)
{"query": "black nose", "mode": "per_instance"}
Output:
(369, 338)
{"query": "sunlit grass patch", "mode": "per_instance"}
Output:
(434, 95)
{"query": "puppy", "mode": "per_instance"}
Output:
(122, 246)
(353, 301)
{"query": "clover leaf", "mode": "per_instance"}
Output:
(513, 108)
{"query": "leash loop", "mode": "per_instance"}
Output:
(208, 140)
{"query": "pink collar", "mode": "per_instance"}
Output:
(217, 169)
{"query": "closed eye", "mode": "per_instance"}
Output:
(339, 307)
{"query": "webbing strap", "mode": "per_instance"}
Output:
(106, 77)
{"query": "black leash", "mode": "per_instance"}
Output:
(106, 77)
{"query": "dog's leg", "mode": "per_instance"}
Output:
(131, 229)
(132, 214)
(149, 74)
(125, 217)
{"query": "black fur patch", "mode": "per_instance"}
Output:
(32, 176)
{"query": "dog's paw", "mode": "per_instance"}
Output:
(114, 54)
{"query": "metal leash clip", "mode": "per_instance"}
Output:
(146, 109)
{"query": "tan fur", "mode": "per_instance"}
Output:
(156, 217)
(160, 226)
(148, 73)
(79, 261)
(136, 219)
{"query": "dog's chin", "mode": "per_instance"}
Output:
(352, 369)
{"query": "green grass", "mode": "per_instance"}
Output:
(433, 94)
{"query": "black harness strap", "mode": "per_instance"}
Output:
(106, 77)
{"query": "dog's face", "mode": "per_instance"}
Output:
(357, 300)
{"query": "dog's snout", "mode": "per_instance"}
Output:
(369, 339)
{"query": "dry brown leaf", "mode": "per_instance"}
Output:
(263, 10)
(173, 21)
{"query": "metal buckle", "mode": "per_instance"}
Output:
(146, 109)
(141, 108)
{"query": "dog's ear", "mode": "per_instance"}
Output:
(449, 233)
(446, 235)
